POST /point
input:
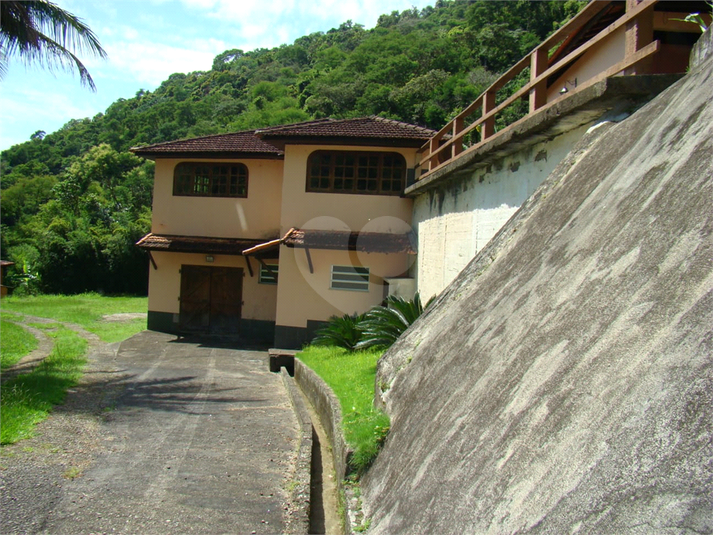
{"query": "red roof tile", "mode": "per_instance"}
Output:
(364, 127)
(220, 144)
(257, 143)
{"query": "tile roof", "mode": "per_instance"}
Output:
(195, 244)
(238, 142)
(341, 240)
(372, 127)
(257, 143)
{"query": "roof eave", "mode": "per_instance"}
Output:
(281, 141)
(212, 155)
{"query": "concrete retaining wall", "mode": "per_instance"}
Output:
(326, 405)
(563, 383)
(455, 221)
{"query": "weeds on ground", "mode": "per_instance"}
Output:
(27, 399)
(16, 343)
(85, 310)
(351, 375)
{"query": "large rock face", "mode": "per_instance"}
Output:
(563, 383)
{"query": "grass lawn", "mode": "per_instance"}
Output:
(28, 398)
(351, 377)
(16, 343)
(85, 310)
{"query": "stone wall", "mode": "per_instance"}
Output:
(563, 382)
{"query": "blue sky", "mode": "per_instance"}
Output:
(148, 40)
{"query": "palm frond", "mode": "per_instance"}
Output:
(341, 331)
(41, 32)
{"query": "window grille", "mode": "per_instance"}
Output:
(370, 173)
(350, 278)
(268, 274)
(210, 179)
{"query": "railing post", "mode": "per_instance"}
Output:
(433, 160)
(639, 33)
(538, 65)
(456, 144)
(488, 128)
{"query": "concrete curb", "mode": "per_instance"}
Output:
(326, 405)
(297, 518)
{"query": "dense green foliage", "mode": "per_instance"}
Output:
(75, 201)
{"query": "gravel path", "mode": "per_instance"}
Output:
(159, 437)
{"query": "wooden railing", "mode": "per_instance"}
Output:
(455, 138)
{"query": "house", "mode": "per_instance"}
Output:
(266, 234)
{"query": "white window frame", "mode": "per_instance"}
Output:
(265, 277)
(349, 278)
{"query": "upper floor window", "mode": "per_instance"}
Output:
(211, 179)
(377, 173)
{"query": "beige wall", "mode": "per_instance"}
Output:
(317, 210)
(257, 216)
(259, 300)
(306, 296)
(596, 60)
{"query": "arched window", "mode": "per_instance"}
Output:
(210, 179)
(371, 173)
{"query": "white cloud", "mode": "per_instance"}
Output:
(151, 63)
(30, 110)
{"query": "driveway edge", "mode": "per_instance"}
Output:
(297, 512)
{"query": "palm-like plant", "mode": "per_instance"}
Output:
(39, 31)
(341, 331)
(382, 325)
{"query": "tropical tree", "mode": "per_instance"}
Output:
(40, 31)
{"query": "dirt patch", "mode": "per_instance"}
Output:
(125, 316)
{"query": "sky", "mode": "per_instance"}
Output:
(148, 40)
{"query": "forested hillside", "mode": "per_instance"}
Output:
(75, 201)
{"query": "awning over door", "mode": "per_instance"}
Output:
(365, 242)
(196, 244)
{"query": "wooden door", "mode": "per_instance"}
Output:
(211, 299)
(226, 285)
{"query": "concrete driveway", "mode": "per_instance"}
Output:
(202, 439)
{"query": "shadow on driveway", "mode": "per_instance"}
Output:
(200, 438)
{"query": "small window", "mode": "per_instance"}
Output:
(360, 172)
(350, 278)
(210, 179)
(268, 274)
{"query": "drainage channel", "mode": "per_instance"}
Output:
(324, 493)
(324, 517)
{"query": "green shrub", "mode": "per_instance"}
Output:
(341, 332)
(382, 325)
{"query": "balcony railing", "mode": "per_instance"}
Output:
(475, 125)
